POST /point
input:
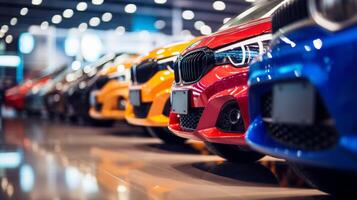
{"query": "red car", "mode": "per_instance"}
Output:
(210, 94)
(15, 96)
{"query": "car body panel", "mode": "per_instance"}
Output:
(221, 84)
(325, 59)
(156, 90)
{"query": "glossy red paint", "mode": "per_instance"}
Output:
(219, 86)
(233, 34)
(15, 96)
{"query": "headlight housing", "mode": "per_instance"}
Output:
(333, 14)
(240, 54)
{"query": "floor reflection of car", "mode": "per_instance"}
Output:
(110, 94)
(149, 93)
(302, 93)
(78, 96)
(210, 93)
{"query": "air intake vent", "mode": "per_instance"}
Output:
(289, 13)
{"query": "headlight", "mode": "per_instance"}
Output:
(167, 63)
(333, 14)
(240, 54)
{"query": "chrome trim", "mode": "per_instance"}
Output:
(325, 23)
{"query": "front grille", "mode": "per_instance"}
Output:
(98, 107)
(144, 71)
(318, 136)
(305, 137)
(193, 66)
(142, 111)
(266, 107)
(101, 81)
(190, 121)
(289, 13)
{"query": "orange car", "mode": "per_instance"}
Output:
(149, 93)
(108, 102)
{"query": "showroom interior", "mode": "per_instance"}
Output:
(178, 99)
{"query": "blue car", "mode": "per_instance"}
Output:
(303, 92)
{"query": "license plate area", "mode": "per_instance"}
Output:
(179, 100)
(293, 103)
(135, 97)
(92, 98)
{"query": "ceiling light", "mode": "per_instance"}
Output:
(225, 20)
(188, 14)
(8, 39)
(120, 30)
(91, 47)
(13, 21)
(4, 28)
(71, 46)
(160, 24)
(2, 34)
(56, 19)
(26, 43)
(199, 24)
(106, 17)
(76, 65)
(94, 21)
(97, 2)
(36, 2)
(68, 13)
(82, 6)
(250, 1)
(160, 1)
(219, 5)
(83, 27)
(205, 30)
(24, 11)
(44, 25)
(130, 8)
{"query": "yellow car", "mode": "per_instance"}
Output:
(149, 92)
(108, 102)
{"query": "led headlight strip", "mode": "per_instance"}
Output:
(241, 53)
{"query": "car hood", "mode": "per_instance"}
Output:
(232, 34)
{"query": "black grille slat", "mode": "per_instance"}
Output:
(194, 65)
(144, 71)
(289, 13)
(190, 121)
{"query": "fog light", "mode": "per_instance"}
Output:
(234, 116)
(230, 118)
(121, 104)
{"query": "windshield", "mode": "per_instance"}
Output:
(260, 10)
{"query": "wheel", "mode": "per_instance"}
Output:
(165, 135)
(233, 153)
(336, 182)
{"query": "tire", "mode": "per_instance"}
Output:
(233, 153)
(334, 182)
(165, 135)
(102, 123)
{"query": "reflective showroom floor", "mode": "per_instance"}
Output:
(53, 160)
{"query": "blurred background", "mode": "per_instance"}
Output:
(39, 36)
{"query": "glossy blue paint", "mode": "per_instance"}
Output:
(328, 60)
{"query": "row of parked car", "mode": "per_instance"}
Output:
(276, 80)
